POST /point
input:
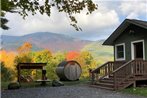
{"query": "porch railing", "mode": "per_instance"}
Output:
(128, 71)
(105, 70)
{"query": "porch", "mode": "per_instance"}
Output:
(119, 74)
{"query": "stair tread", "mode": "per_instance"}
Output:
(98, 86)
(106, 81)
(102, 83)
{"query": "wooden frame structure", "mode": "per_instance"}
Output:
(21, 66)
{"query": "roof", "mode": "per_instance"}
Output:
(122, 27)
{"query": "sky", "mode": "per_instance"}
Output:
(96, 26)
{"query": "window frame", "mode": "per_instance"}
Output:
(116, 55)
(132, 48)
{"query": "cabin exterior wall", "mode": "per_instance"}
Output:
(132, 33)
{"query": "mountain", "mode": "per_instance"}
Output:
(44, 40)
(100, 52)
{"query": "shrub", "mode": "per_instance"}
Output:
(6, 73)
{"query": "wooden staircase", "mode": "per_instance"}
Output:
(119, 75)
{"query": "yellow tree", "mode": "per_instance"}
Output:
(24, 56)
(86, 61)
(8, 59)
(24, 53)
(26, 47)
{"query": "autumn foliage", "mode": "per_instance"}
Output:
(26, 47)
(72, 55)
(25, 54)
(7, 58)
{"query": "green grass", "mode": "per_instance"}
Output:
(141, 91)
(4, 85)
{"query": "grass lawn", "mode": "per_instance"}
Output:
(142, 91)
(4, 85)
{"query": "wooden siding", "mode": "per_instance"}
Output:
(127, 38)
(145, 45)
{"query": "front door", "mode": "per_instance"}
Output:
(138, 50)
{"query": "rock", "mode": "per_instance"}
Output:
(57, 83)
(13, 85)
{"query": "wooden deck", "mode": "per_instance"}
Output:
(120, 74)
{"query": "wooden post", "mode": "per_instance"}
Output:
(97, 77)
(115, 88)
(43, 77)
(18, 73)
(90, 74)
(93, 78)
(134, 84)
(109, 70)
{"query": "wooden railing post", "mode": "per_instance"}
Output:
(109, 68)
(115, 87)
(97, 76)
(18, 73)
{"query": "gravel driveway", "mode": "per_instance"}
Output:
(64, 92)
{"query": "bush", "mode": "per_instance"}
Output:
(6, 73)
(13, 85)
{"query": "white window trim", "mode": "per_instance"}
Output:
(120, 59)
(132, 48)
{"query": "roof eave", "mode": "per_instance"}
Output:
(110, 40)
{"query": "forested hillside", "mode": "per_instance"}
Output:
(51, 49)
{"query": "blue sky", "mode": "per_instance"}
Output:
(98, 25)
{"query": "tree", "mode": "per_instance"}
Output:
(42, 56)
(55, 60)
(24, 56)
(23, 7)
(6, 73)
(8, 59)
(72, 55)
(87, 62)
(26, 47)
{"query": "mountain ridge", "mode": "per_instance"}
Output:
(44, 40)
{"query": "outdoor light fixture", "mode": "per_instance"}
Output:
(131, 32)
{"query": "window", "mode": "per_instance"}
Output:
(120, 52)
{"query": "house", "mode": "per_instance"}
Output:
(130, 57)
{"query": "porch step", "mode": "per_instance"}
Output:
(106, 81)
(122, 73)
(102, 87)
(109, 85)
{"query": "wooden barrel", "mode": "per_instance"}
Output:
(69, 70)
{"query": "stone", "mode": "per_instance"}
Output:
(56, 83)
(13, 85)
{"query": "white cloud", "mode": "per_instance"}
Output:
(134, 8)
(59, 22)
(100, 23)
